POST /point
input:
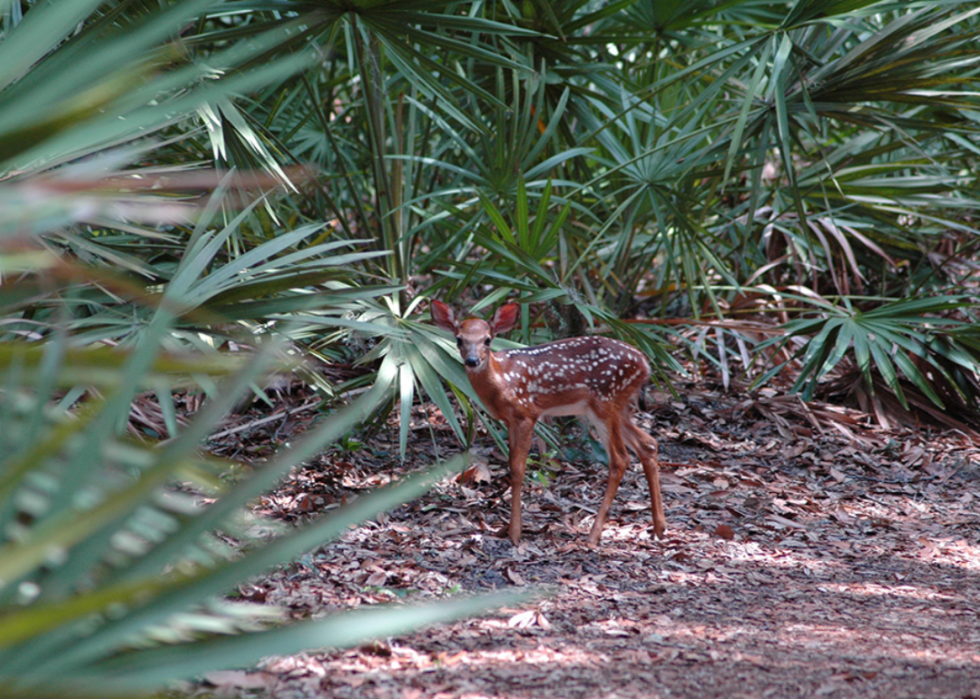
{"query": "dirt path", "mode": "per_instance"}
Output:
(801, 561)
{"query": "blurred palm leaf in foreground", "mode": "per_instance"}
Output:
(117, 280)
(111, 576)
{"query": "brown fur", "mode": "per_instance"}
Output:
(595, 377)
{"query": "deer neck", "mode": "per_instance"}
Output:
(489, 383)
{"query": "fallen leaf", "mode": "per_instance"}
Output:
(514, 577)
(725, 532)
(523, 620)
(238, 679)
(376, 579)
(477, 473)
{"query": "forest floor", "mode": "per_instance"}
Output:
(808, 554)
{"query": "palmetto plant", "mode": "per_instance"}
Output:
(654, 157)
(604, 162)
(119, 278)
(912, 341)
(110, 576)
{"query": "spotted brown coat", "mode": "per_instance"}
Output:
(594, 377)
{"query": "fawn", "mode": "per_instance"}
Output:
(595, 377)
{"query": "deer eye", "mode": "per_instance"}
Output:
(487, 342)
(459, 342)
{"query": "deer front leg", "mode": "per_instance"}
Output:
(520, 433)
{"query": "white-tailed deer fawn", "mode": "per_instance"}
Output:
(595, 377)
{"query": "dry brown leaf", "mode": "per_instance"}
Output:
(523, 620)
(725, 532)
(514, 576)
(225, 680)
(477, 473)
(376, 579)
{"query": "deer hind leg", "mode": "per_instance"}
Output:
(645, 448)
(618, 460)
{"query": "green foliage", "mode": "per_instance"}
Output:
(110, 574)
(129, 280)
(677, 152)
(656, 170)
(910, 338)
(608, 160)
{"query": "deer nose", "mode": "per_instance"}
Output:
(471, 361)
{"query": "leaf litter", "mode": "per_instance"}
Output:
(809, 554)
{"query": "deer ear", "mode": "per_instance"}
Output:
(443, 316)
(505, 318)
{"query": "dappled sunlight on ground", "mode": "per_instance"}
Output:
(815, 569)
